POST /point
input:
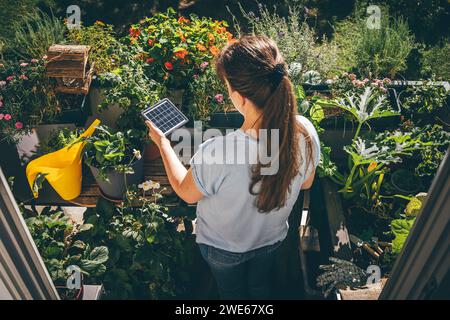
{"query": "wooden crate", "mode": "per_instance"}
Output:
(69, 65)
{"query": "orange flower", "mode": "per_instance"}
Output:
(183, 20)
(151, 42)
(231, 41)
(229, 35)
(214, 50)
(372, 166)
(211, 37)
(181, 54)
(99, 23)
(201, 47)
(182, 37)
(169, 66)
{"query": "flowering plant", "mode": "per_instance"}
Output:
(26, 98)
(208, 94)
(173, 48)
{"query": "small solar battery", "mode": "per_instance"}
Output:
(165, 116)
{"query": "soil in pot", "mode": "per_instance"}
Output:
(116, 185)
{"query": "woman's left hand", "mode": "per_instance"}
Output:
(156, 135)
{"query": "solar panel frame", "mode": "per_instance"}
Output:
(160, 110)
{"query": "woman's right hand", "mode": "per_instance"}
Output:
(156, 135)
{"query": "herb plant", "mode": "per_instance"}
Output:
(103, 42)
(108, 151)
(298, 42)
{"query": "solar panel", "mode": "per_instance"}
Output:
(165, 116)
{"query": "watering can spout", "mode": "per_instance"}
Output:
(62, 168)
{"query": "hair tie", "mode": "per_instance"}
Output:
(277, 74)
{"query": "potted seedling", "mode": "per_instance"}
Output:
(115, 160)
(59, 240)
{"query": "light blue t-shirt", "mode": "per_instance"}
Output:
(227, 217)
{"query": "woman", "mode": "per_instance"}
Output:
(242, 214)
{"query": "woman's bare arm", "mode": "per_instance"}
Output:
(180, 178)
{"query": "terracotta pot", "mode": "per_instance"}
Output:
(151, 152)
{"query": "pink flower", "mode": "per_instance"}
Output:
(2, 83)
(196, 76)
(1, 103)
(204, 65)
(34, 61)
(23, 64)
(23, 77)
(7, 117)
(10, 78)
(19, 125)
(2, 116)
(219, 98)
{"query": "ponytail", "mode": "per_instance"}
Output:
(254, 67)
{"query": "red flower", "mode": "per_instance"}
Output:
(169, 66)
(150, 60)
(10, 78)
(150, 42)
(135, 33)
(19, 125)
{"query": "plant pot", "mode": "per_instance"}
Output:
(405, 182)
(108, 116)
(70, 294)
(27, 145)
(151, 152)
(116, 187)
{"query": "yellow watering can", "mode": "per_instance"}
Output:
(61, 168)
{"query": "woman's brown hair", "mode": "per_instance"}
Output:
(254, 67)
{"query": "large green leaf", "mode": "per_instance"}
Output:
(400, 228)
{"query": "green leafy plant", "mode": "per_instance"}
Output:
(401, 229)
(425, 99)
(26, 97)
(104, 45)
(34, 33)
(57, 238)
(435, 62)
(438, 141)
(149, 257)
(298, 42)
(58, 140)
(108, 151)
(373, 52)
(173, 48)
